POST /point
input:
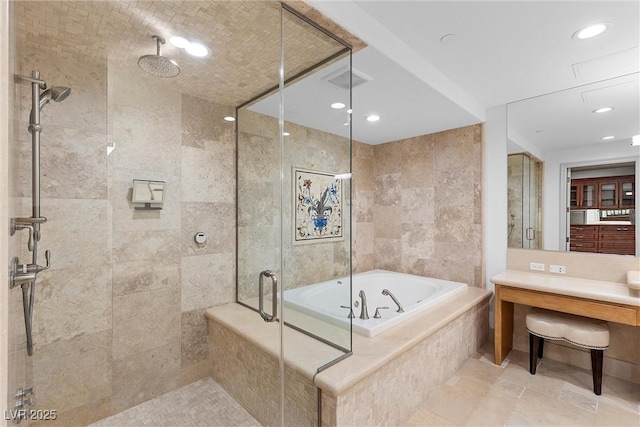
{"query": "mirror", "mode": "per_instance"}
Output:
(566, 132)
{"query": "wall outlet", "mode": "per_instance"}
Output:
(536, 266)
(560, 269)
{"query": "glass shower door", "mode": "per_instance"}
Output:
(524, 196)
(293, 198)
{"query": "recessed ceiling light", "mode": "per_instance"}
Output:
(349, 111)
(197, 49)
(591, 31)
(448, 39)
(602, 110)
(337, 105)
(605, 138)
(635, 140)
(180, 42)
(230, 119)
(372, 118)
(286, 133)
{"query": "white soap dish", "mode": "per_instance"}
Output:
(633, 279)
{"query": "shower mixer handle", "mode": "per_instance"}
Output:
(47, 257)
(38, 268)
(25, 273)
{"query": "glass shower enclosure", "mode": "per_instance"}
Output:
(119, 318)
(294, 186)
(524, 201)
(294, 191)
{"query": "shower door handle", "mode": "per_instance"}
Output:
(530, 233)
(274, 294)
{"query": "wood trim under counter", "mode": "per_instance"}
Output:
(616, 304)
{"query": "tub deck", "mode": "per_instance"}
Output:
(431, 345)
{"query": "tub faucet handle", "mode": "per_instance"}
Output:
(377, 315)
(351, 315)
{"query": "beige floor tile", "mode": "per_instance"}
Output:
(579, 397)
(552, 411)
(202, 403)
(426, 418)
(471, 402)
(517, 420)
(480, 370)
(610, 415)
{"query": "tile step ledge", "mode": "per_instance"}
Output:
(305, 354)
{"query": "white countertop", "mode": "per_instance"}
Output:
(605, 223)
(572, 286)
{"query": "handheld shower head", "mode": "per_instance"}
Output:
(57, 94)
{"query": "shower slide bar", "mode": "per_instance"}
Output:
(26, 275)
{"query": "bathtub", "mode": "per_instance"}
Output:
(415, 293)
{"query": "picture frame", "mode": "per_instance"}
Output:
(317, 206)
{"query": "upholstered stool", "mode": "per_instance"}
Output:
(581, 331)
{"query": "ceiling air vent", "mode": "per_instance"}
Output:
(340, 78)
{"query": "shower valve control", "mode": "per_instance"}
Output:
(200, 238)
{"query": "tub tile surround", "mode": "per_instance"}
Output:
(417, 210)
(379, 369)
(622, 358)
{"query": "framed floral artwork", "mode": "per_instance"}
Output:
(317, 206)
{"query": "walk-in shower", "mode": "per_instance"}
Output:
(25, 275)
(119, 317)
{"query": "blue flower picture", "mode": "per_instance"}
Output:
(317, 206)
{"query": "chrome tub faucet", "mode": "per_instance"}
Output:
(364, 313)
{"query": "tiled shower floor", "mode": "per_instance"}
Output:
(202, 403)
(479, 394)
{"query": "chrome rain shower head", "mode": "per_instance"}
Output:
(159, 65)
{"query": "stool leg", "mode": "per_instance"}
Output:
(597, 357)
(541, 348)
(534, 348)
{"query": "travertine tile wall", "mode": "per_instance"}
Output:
(119, 316)
(259, 203)
(363, 207)
(422, 213)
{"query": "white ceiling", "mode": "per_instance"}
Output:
(504, 51)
